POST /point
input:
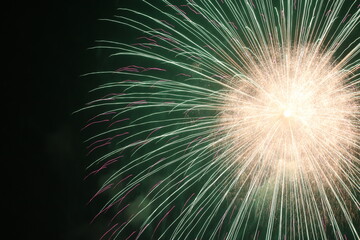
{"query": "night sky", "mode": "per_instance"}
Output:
(43, 153)
(42, 146)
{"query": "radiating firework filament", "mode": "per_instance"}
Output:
(245, 124)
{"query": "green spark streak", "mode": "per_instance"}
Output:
(254, 124)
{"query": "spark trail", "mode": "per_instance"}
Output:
(241, 122)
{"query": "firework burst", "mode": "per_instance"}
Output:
(242, 122)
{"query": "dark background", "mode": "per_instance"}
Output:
(42, 153)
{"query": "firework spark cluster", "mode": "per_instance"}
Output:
(230, 120)
(298, 108)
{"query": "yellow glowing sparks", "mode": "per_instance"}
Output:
(292, 109)
(294, 123)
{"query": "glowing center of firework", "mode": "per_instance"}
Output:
(295, 105)
(300, 111)
(287, 113)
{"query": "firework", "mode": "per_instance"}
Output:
(241, 122)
